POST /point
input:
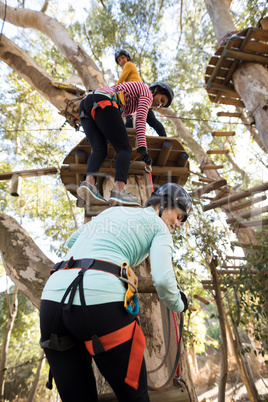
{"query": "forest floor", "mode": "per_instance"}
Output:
(206, 380)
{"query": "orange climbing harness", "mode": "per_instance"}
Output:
(109, 341)
(103, 343)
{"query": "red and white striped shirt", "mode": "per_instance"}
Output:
(138, 99)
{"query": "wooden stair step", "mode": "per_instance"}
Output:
(223, 133)
(211, 167)
(235, 197)
(218, 151)
(229, 114)
(209, 187)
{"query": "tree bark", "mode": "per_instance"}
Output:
(12, 312)
(24, 262)
(224, 358)
(36, 378)
(250, 79)
(79, 59)
(251, 82)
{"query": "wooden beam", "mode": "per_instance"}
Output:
(201, 299)
(236, 197)
(228, 271)
(229, 114)
(246, 215)
(136, 167)
(218, 151)
(235, 62)
(255, 223)
(244, 245)
(232, 266)
(230, 91)
(218, 65)
(234, 257)
(221, 194)
(164, 153)
(15, 185)
(211, 167)
(251, 57)
(209, 187)
(247, 203)
(210, 282)
(29, 173)
(223, 133)
(206, 180)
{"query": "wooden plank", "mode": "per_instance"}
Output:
(136, 167)
(209, 282)
(254, 223)
(235, 197)
(208, 188)
(223, 133)
(218, 65)
(228, 101)
(229, 114)
(247, 203)
(231, 266)
(201, 299)
(234, 257)
(250, 57)
(29, 173)
(228, 91)
(211, 167)
(171, 394)
(221, 194)
(218, 151)
(247, 215)
(228, 271)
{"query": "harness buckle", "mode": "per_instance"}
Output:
(131, 281)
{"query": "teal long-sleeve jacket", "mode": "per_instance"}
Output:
(117, 235)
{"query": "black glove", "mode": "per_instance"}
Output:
(185, 301)
(144, 156)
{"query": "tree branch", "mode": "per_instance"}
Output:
(83, 64)
(24, 262)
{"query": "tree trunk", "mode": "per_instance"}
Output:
(250, 79)
(24, 262)
(251, 82)
(36, 378)
(245, 370)
(12, 312)
(224, 360)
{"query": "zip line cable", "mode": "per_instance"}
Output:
(177, 117)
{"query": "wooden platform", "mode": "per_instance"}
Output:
(250, 45)
(170, 162)
(171, 394)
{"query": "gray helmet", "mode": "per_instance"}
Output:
(165, 87)
(174, 196)
(120, 52)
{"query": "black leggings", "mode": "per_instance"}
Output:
(107, 126)
(72, 369)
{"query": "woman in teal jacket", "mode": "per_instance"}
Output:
(82, 309)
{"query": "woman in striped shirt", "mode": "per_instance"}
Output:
(100, 115)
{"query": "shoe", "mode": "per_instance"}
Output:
(90, 194)
(126, 199)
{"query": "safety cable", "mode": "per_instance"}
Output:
(167, 348)
(176, 363)
(176, 368)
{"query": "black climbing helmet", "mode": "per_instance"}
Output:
(120, 52)
(174, 196)
(166, 88)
